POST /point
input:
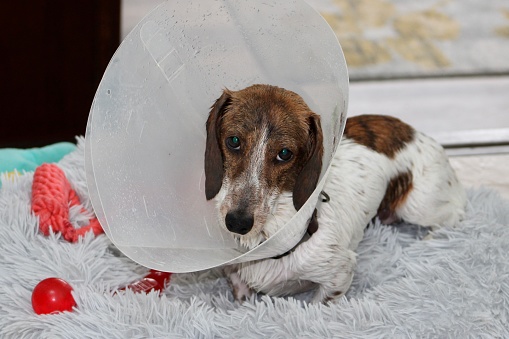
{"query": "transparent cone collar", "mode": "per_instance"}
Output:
(145, 139)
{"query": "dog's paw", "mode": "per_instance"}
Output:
(388, 217)
(323, 296)
(240, 290)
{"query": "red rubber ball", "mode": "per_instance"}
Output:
(52, 295)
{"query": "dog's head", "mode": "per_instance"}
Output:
(263, 159)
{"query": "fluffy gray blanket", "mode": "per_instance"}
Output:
(455, 284)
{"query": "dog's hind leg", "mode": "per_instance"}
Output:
(434, 196)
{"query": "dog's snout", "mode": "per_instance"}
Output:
(239, 222)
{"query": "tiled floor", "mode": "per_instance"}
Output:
(455, 111)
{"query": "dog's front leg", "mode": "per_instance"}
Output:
(331, 270)
(240, 290)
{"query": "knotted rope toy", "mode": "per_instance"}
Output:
(52, 196)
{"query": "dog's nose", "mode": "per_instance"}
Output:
(239, 222)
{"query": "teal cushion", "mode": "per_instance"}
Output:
(28, 159)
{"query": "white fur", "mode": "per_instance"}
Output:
(258, 159)
(264, 199)
(356, 185)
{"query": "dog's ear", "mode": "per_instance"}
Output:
(308, 177)
(213, 157)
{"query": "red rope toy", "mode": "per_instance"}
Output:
(52, 196)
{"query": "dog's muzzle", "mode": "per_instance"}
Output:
(239, 222)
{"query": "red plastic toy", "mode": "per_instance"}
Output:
(155, 280)
(52, 196)
(52, 295)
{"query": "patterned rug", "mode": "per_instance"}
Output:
(405, 39)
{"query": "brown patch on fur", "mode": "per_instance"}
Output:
(308, 176)
(383, 134)
(213, 157)
(396, 193)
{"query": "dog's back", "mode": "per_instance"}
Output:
(421, 186)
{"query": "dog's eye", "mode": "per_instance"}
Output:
(284, 155)
(233, 143)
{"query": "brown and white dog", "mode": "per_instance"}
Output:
(263, 159)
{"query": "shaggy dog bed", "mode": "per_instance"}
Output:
(454, 283)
